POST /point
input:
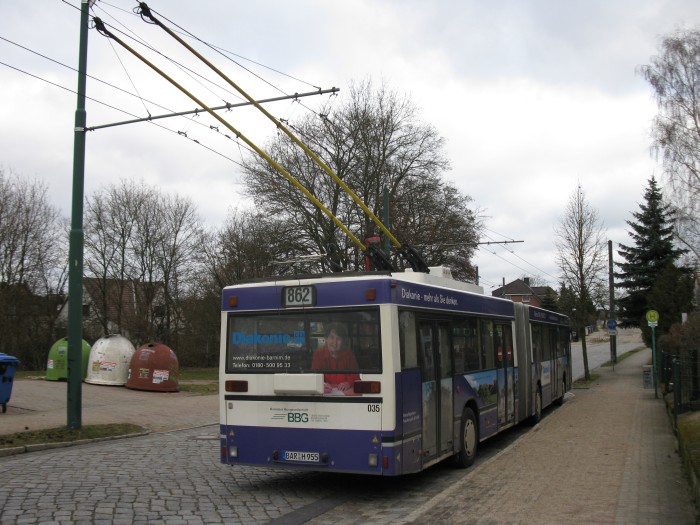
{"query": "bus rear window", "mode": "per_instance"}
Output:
(346, 342)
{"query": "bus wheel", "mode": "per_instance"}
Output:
(560, 400)
(537, 416)
(469, 439)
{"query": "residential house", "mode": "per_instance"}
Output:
(520, 291)
(134, 309)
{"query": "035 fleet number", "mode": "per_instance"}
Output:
(373, 408)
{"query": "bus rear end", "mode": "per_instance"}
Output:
(302, 383)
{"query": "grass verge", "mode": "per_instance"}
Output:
(582, 383)
(63, 434)
(624, 356)
(202, 389)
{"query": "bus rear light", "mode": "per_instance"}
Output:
(372, 460)
(368, 387)
(385, 462)
(233, 301)
(233, 451)
(370, 294)
(236, 386)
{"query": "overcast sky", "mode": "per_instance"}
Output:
(532, 97)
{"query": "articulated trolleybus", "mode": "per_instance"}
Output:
(380, 373)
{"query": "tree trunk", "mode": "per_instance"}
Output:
(586, 372)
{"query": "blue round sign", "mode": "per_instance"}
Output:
(612, 324)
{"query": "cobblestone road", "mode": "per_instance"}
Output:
(176, 478)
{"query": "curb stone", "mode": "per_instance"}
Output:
(12, 451)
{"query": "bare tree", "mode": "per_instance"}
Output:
(180, 257)
(111, 220)
(582, 259)
(249, 245)
(32, 268)
(29, 231)
(143, 248)
(674, 76)
(373, 141)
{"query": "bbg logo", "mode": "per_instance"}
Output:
(297, 417)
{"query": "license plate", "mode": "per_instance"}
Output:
(308, 457)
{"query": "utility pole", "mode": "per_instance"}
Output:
(75, 250)
(612, 323)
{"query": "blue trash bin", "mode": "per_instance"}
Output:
(8, 365)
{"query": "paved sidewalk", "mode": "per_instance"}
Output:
(606, 457)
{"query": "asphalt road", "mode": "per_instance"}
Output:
(599, 352)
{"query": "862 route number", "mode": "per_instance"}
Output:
(299, 296)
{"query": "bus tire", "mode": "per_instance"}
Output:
(468, 440)
(537, 416)
(560, 400)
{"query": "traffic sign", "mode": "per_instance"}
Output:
(653, 317)
(612, 324)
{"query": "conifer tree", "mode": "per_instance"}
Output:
(671, 296)
(549, 302)
(652, 252)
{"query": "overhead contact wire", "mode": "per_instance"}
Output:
(101, 28)
(145, 11)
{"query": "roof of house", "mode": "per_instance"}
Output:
(521, 287)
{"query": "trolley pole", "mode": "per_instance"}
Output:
(387, 222)
(75, 249)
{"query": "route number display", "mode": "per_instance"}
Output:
(299, 296)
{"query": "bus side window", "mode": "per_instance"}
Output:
(458, 349)
(553, 342)
(535, 356)
(426, 341)
(407, 338)
(487, 345)
(504, 344)
(510, 352)
(472, 346)
(466, 346)
(563, 341)
(546, 344)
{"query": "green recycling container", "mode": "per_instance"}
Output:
(57, 362)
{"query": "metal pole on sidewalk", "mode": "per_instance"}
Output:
(653, 359)
(75, 249)
(611, 286)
